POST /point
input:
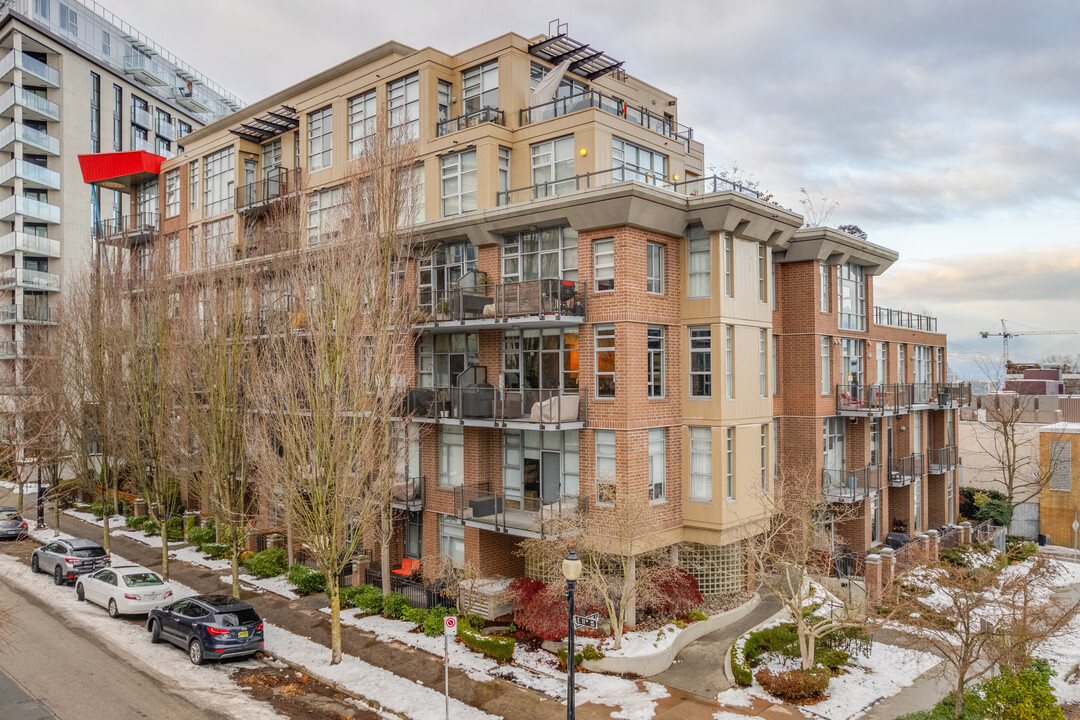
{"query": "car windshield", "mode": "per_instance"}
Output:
(9, 515)
(235, 618)
(142, 579)
(88, 552)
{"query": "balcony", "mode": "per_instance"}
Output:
(408, 494)
(482, 405)
(479, 117)
(9, 349)
(18, 60)
(546, 302)
(603, 178)
(31, 209)
(194, 98)
(33, 176)
(29, 279)
(144, 145)
(260, 195)
(520, 515)
(31, 244)
(142, 118)
(906, 470)
(943, 459)
(613, 106)
(17, 132)
(906, 320)
(855, 400)
(146, 70)
(165, 129)
(29, 314)
(953, 395)
(127, 231)
(34, 106)
(849, 486)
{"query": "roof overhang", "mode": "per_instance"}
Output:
(120, 170)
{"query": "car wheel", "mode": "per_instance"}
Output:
(58, 576)
(155, 631)
(113, 610)
(194, 652)
(34, 567)
(80, 594)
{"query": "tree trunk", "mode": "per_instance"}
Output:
(958, 707)
(164, 529)
(105, 528)
(56, 517)
(21, 487)
(235, 571)
(384, 548)
(289, 541)
(630, 620)
(335, 618)
(808, 656)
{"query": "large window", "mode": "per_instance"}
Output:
(698, 263)
(194, 251)
(117, 123)
(729, 459)
(553, 166)
(604, 264)
(701, 361)
(826, 370)
(875, 442)
(851, 281)
(411, 187)
(655, 362)
(567, 86)
(549, 253)
(218, 236)
(851, 363)
(875, 518)
(700, 464)
(172, 252)
(654, 268)
(362, 124)
(320, 139)
(763, 273)
(540, 358)
(729, 265)
(480, 87)
(901, 363)
(452, 539)
(763, 363)
(459, 183)
(823, 286)
(605, 465)
(764, 458)
(657, 463)
(324, 215)
(172, 193)
(441, 270)
(539, 467)
(218, 171)
(95, 113)
(631, 162)
(882, 362)
(729, 361)
(193, 190)
(504, 171)
(443, 357)
(443, 101)
(604, 340)
(404, 107)
(451, 456)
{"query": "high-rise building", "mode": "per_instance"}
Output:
(75, 79)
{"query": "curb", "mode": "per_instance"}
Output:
(728, 672)
(338, 687)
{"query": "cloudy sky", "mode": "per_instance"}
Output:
(949, 131)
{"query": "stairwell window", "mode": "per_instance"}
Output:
(701, 362)
(458, 183)
(729, 361)
(362, 124)
(729, 265)
(404, 108)
(655, 361)
(219, 176)
(480, 87)
(698, 263)
(701, 464)
(654, 268)
(657, 464)
(451, 456)
(604, 264)
(320, 139)
(730, 464)
(172, 193)
(604, 342)
(826, 384)
(605, 465)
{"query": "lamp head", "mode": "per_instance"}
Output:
(571, 566)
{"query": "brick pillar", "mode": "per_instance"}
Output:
(935, 547)
(965, 532)
(888, 569)
(924, 546)
(360, 564)
(873, 579)
(251, 541)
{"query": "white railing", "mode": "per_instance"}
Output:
(29, 244)
(18, 60)
(31, 173)
(17, 132)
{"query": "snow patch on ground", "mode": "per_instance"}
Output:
(29, 487)
(116, 522)
(621, 693)
(141, 537)
(277, 585)
(208, 686)
(191, 555)
(389, 690)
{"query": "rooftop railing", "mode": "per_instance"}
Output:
(478, 117)
(603, 178)
(558, 107)
(850, 485)
(147, 69)
(548, 408)
(903, 319)
(503, 302)
(513, 513)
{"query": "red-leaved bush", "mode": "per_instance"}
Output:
(795, 686)
(540, 609)
(671, 591)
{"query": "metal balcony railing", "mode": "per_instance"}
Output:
(408, 494)
(500, 303)
(665, 126)
(35, 106)
(903, 319)
(603, 178)
(713, 184)
(32, 175)
(130, 228)
(477, 117)
(24, 314)
(515, 514)
(543, 408)
(867, 400)
(943, 459)
(907, 470)
(850, 485)
(18, 60)
(953, 395)
(278, 183)
(33, 244)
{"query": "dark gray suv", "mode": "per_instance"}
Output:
(67, 558)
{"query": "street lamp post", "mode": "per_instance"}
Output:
(1075, 526)
(571, 568)
(40, 503)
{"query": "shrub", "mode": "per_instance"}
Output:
(307, 580)
(676, 593)
(1019, 549)
(500, 649)
(1025, 695)
(174, 526)
(1000, 511)
(540, 609)
(589, 652)
(348, 596)
(151, 527)
(370, 599)
(739, 669)
(433, 621)
(944, 710)
(416, 616)
(396, 606)
(781, 639)
(268, 563)
(681, 624)
(795, 685)
(215, 551)
(697, 615)
(136, 522)
(97, 510)
(200, 536)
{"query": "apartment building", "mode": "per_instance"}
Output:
(75, 79)
(595, 316)
(866, 415)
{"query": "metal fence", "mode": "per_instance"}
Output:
(416, 593)
(987, 533)
(949, 537)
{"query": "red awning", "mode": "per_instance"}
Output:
(120, 170)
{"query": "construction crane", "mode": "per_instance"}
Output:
(1005, 334)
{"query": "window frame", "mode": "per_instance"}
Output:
(606, 333)
(657, 445)
(451, 539)
(172, 193)
(826, 365)
(599, 248)
(729, 263)
(700, 442)
(700, 344)
(449, 437)
(696, 246)
(729, 458)
(655, 336)
(763, 273)
(475, 87)
(605, 453)
(654, 268)
(320, 139)
(403, 108)
(454, 167)
(363, 112)
(729, 362)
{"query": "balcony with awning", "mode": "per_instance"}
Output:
(120, 170)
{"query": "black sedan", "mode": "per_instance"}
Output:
(12, 525)
(208, 626)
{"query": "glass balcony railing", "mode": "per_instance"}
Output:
(18, 60)
(194, 98)
(142, 118)
(34, 106)
(146, 69)
(624, 173)
(32, 175)
(558, 107)
(485, 115)
(24, 314)
(30, 279)
(141, 144)
(27, 243)
(33, 209)
(166, 129)
(17, 132)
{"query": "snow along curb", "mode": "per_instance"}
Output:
(338, 687)
(728, 672)
(649, 665)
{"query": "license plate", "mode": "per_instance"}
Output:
(242, 633)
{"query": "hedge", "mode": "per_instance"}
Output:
(795, 686)
(307, 580)
(500, 649)
(740, 669)
(267, 563)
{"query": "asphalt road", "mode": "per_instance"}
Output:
(74, 676)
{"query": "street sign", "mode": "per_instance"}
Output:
(450, 625)
(587, 621)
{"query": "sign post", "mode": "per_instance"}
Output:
(449, 628)
(1076, 526)
(587, 621)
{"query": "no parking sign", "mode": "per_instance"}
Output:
(450, 625)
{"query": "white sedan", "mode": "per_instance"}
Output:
(124, 590)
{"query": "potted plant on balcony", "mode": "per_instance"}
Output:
(442, 310)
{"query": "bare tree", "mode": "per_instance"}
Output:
(818, 212)
(328, 382)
